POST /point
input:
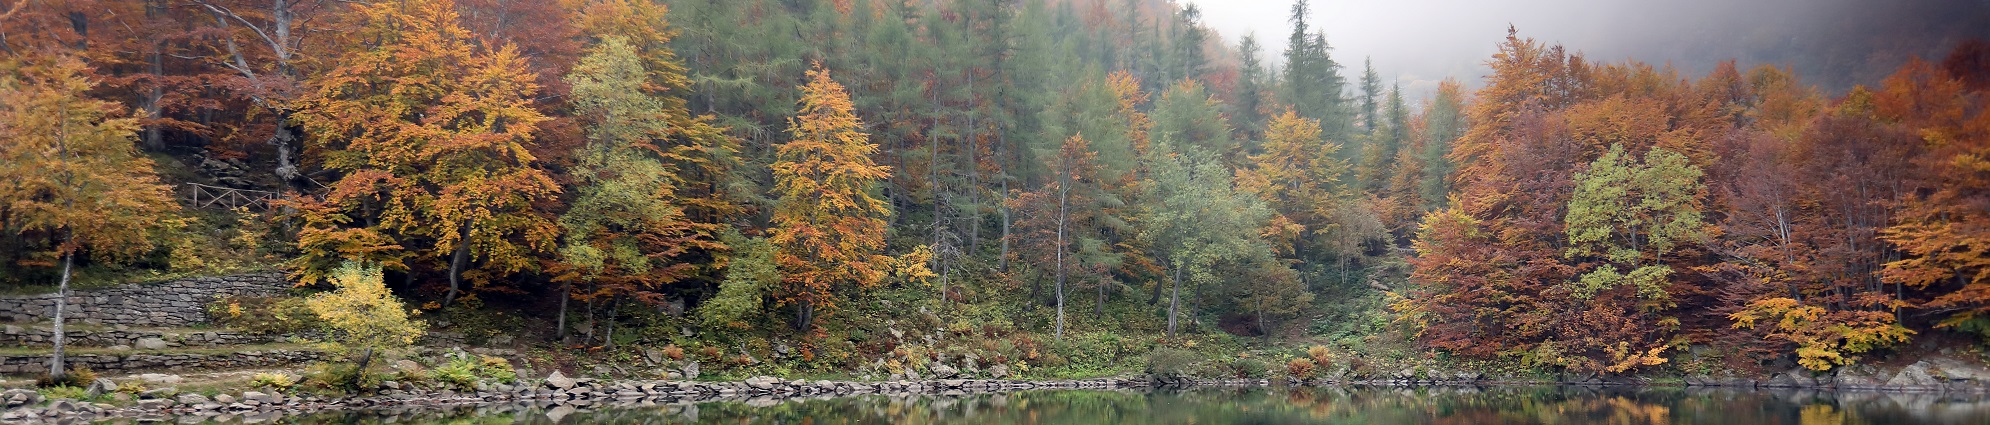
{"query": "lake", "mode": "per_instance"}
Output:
(1435, 405)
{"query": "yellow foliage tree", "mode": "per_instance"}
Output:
(361, 316)
(71, 176)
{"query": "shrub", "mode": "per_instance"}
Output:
(460, 372)
(79, 377)
(361, 316)
(673, 352)
(1301, 368)
(271, 380)
(1250, 367)
(1170, 362)
(499, 369)
(64, 391)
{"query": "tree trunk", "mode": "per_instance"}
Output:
(566, 293)
(55, 369)
(359, 376)
(456, 267)
(804, 315)
(608, 336)
(1063, 206)
(1174, 301)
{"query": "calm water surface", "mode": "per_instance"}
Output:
(1525, 405)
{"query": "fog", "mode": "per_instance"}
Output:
(1833, 44)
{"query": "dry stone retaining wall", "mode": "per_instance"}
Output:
(171, 303)
(38, 336)
(137, 362)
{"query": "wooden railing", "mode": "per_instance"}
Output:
(204, 196)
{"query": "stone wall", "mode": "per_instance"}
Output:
(160, 304)
(43, 336)
(139, 362)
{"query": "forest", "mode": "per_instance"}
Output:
(773, 185)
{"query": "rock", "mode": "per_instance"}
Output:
(559, 412)
(151, 344)
(762, 382)
(781, 349)
(405, 365)
(1858, 376)
(942, 371)
(63, 405)
(101, 386)
(257, 397)
(193, 399)
(160, 378)
(559, 381)
(120, 347)
(998, 371)
(1915, 375)
(690, 370)
(160, 393)
(1958, 371)
(654, 356)
(154, 404)
(673, 376)
(390, 385)
(224, 399)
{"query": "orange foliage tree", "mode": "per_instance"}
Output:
(829, 224)
(431, 134)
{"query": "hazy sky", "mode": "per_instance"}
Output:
(1419, 42)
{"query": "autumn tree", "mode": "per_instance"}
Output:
(71, 176)
(626, 226)
(1943, 228)
(829, 225)
(430, 133)
(361, 317)
(1061, 223)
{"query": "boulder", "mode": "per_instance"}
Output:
(101, 386)
(942, 371)
(1914, 375)
(559, 381)
(193, 399)
(762, 382)
(690, 370)
(998, 371)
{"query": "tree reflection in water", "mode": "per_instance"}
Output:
(1435, 405)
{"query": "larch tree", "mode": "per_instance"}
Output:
(829, 224)
(71, 176)
(431, 134)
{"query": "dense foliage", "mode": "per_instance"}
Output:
(972, 161)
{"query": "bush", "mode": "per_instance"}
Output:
(460, 372)
(263, 315)
(498, 369)
(1170, 362)
(673, 352)
(1320, 355)
(79, 377)
(1250, 368)
(64, 391)
(271, 380)
(1300, 368)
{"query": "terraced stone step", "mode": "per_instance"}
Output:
(116, 361)
(43, 336)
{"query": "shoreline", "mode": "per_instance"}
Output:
(560, 391)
